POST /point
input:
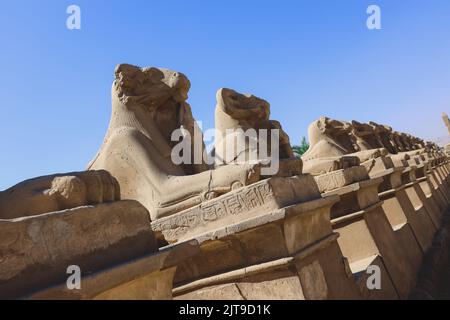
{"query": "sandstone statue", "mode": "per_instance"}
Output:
(399, 143)
(446, 121)
(366, 137)
(330, 140)
(243, 125)
(58, 192)
(148, 105)
(417, 142)
(384, 136)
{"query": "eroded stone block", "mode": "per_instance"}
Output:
(262, 197)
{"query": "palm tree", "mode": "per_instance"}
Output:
(301, 149)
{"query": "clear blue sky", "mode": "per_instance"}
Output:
(307, 58)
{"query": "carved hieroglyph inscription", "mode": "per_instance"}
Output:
(243, 201)
(341, 178)
(250, 201)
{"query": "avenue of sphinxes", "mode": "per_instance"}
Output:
(364, 198)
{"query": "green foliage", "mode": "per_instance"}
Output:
(301, 149)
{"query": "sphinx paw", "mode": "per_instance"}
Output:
(84, 188)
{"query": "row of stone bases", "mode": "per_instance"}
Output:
(362, 195)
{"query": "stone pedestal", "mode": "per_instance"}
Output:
(149, 277)
(378, 166)
(270, 240)
(393, 209)
(437, 190)
(432, 204)
(387, 290)
(433, 195)
(440, 173)
(365, 233)
(111, 243)
(429, 203)
(441, 180)
(414, 209)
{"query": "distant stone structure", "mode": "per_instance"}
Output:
(447, 124)
(446, 121)
(140, 226)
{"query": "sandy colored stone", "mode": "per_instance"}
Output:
(148, 277)
(446, 121)
(255, 258)
(383, 134)
(148, 104)
(239, 115)
(261, 197)
(35, 251)
(58, 192)
(333, 138)
(341, 178)
(366, 137)
(329, 164)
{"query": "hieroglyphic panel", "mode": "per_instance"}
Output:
(234, 203)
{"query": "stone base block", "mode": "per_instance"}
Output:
(289, 253)
(377, 166)
(36, 251)
(367, 234)
(367, 285)
(355, 197)
(419, 220)
(233, 207)
(340, 178)
(149, 277)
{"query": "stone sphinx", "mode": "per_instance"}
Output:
(366, 137)
(77, 219)
(399, 142)
(58, 192)
(411, 143)
(331, 141)
(392, 142)
(383, 134)
(403, 145)
(417, 143)
(148, 105)
(407, 140)
(243, 125)
(330, 137)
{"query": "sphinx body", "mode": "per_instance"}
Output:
(383, 134)
(58, 192)
(246, 134)
(366, 137)
(410, 144)
(148, 105)
(331, 142)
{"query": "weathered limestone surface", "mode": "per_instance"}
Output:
(293, 250)
(58, 192)
(148, 277)
(37, 250)
(148, 105)
(365, 233)
(112, 244)
(406, 212)
(363, 195)
(446, 121)
(329, 164)
(237, 116)
(333, 139)
(341, 178)
(261, 197)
